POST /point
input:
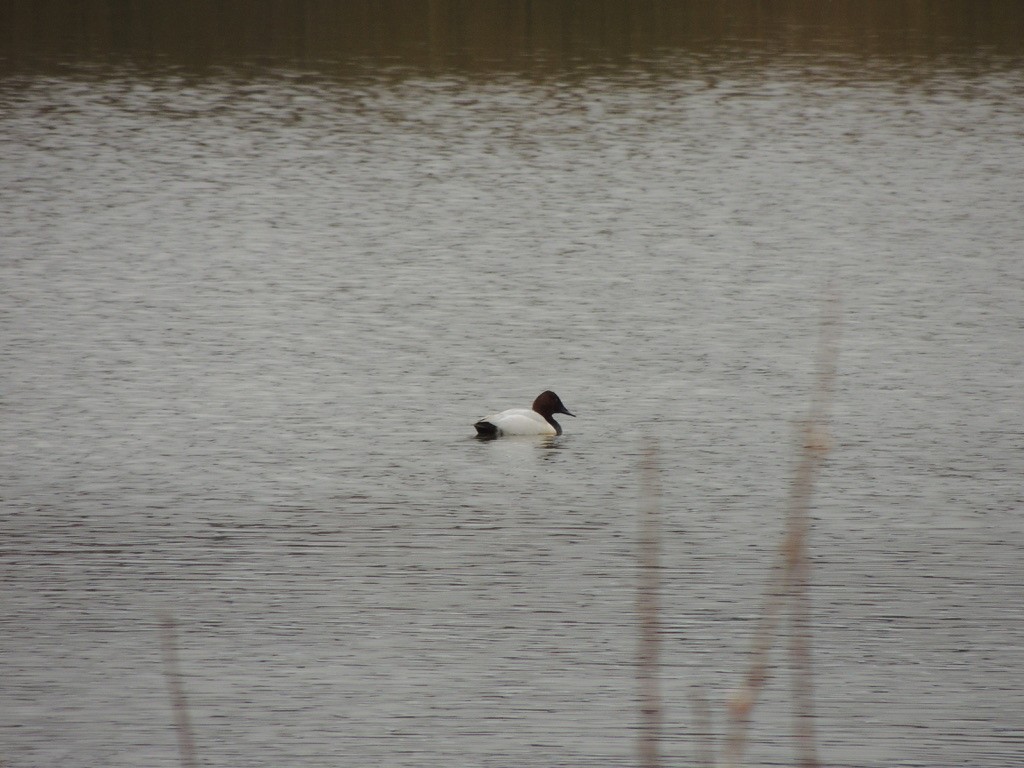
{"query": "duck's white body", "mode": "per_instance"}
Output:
(525, 421)
(520, 421)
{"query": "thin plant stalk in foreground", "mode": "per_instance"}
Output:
(647, 608)
(182, 725)
(791, 579)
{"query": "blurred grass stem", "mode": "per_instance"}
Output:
(182, 725)
(791, 578)
(648, 607)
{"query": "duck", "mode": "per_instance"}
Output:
(535, 420)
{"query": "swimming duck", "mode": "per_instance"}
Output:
(526, 421)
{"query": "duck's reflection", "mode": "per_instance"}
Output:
(524, 448)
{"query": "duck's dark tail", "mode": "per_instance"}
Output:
(485, 429)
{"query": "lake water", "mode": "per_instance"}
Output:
(251, 312)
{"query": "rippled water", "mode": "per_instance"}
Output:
(249, 320)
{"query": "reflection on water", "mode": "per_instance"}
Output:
(489, 35)
(251, 313)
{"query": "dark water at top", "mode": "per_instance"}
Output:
(490, 36)
(257, 285)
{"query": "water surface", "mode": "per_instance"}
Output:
(250, 316)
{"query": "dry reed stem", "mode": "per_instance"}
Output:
(647, 607)
(813, 449)
(791, 577)
(705, 752)
(182, 725)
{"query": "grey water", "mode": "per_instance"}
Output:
(249, 317)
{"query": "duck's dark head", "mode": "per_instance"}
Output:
(548, 403)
